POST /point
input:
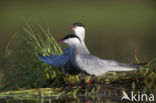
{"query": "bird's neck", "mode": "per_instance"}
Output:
(80, 49)
(80, 34)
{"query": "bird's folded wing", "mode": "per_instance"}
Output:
(96, 66)
(57, 60)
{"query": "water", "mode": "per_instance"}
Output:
(105, 95)
(82, 99)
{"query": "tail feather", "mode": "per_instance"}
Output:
(123, 69)
(127, 67)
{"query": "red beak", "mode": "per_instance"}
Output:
(72, 26)
(61, 40)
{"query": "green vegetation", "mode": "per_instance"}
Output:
(28, 70)
(30, 77)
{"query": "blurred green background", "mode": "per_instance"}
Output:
(114, 29)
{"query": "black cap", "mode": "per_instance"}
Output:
(78, 24)
(71, 36)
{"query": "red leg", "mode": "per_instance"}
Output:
(69, 87)
(90, 81)
(89, 101)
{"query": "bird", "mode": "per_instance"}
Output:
(63, 61)
(89, 64)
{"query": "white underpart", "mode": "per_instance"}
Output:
(80, 32)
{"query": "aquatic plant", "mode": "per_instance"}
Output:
(28, 71)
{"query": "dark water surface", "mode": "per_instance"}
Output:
(94, 99)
